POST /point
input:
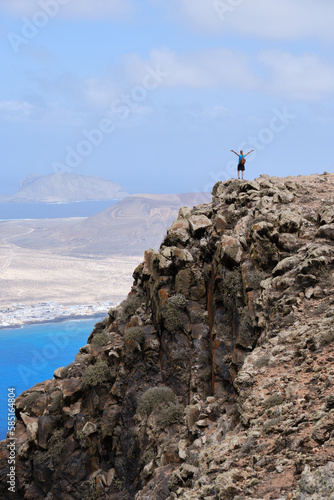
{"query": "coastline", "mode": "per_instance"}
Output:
(59, 319)
(18, 315)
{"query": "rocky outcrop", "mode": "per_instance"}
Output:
(213, 379)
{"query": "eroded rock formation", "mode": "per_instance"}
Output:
(213, 379)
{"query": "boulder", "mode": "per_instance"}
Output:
(231, 250)
(89, 428)
(323, 428)
(72, 389)
(316, 485)
(289, 222)
(326, 216)
(283, 197)
(178, 232)
(199, 224)
(326, 231)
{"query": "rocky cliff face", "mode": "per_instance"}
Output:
(213, 380)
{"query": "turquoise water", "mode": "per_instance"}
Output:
(31, 354)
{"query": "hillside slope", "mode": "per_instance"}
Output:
(129, 227)
(64, 187)
(213, 380)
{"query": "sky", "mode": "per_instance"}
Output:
(154, 94)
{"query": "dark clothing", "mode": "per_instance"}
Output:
(241, 165)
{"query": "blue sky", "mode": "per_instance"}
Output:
(153, 94)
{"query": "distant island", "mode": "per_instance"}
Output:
(62, 187)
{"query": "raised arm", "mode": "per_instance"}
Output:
(249, 152)
(234, 152)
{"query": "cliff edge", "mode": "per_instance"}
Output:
(214, 378)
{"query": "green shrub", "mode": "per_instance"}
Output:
(179, 301)
(97, 374)
(131, 304)
(231, 288)
(117, 483)
(173, 414)
(148, 456)
(172, 312)
(245, 321)
(100, 339)
(273, 400)
(52, 455)
(254, 278)
(153, 397)
(93, 493)
(192, 458)
(82, 439)
(135, 333)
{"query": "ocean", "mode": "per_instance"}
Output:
(15, 211)
(31, 354)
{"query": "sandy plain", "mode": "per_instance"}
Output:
(29, 276)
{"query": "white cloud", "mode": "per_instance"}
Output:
(302, 77)
(272, 19)
(87, 9)
(16, 111)
(305, 77)
(99, 92)
(202, 69)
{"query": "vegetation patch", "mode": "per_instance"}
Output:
(153, 397)
(131, 304)
(82, 439)
(245, 320)
(93, 493)
(273, 400)
(97, 374)
(100, 339)
(254, 278)
(134, 334)
(231, 288)
(52, 455)
(173, 312)
(148, 456)
(173, 414)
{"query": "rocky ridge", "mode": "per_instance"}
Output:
(213, 379)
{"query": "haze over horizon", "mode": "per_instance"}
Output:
(154, 95)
